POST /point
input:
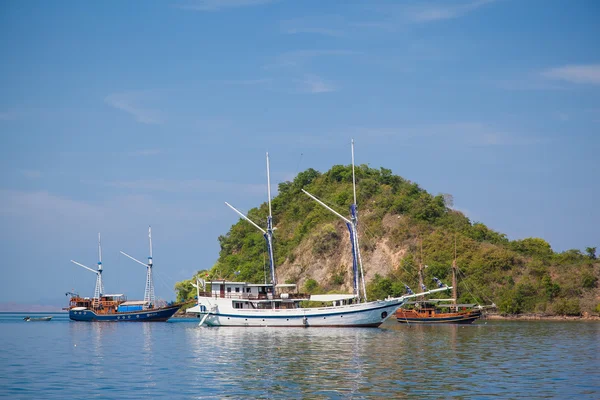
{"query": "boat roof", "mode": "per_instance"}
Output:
(439, 305)
(134, 303)
(331, 297)
(113, 295)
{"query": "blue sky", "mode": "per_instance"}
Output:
(119, 115)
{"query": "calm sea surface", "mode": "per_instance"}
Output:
(490, 359)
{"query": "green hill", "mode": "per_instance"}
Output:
(396, 218)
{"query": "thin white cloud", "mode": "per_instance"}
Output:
(181, 186)
(300, 57)
(130, 103)
(246, 82)
(323, 25)
(445, 10)
(31, 173)
(219, 5)
(315, 84)
(474, 134)
(582, 74)
(43, 203)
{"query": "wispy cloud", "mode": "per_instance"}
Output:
(218, 5)
(130, 103)
(473, 134)
(300, 57)
(582, 74)
(247, 82)
(324, 25)
(316, 84)
(444, 10)
(31, 173)
(185, 186)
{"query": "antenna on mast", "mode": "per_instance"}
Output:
(149, 290)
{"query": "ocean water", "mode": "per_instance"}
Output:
(177, 359)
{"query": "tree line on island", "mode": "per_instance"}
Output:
(519, 276)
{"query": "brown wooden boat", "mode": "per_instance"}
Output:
(436, 311)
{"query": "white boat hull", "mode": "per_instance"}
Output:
(218, 312)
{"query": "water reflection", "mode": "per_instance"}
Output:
(181, 360)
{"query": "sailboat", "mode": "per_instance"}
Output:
(230, 303)
(439, 311)
(116, 307)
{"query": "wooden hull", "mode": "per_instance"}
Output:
(429, 317)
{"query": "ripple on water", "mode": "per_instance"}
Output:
(180, 360)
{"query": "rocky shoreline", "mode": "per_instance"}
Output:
(542, 317)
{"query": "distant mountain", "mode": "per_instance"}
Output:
(19, 307)
(397, 219)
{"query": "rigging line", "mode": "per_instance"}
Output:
(479, 290)
(163, 282)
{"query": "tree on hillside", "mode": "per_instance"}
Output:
(591, 252)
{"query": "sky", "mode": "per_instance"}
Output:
(119, 115)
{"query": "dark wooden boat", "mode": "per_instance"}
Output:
(115, 307)
(32, 319)
(432, 312)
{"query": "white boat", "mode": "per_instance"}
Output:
(244, 304)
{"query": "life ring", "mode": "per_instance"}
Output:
(384, 315)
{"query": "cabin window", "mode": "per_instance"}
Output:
(228, 290)
(237, 289)
(247, 290)
(238, 305)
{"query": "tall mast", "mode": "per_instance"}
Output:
(269, 233)
(421, 281)
(352, 241)
(99, 288)
(356, 249)
(149, 289)
(454, 268)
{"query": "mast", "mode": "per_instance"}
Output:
(149, 290)
(421, 280)
(454, 268)
(352, 228)
(354, 213)
(352, 238)
(268, 234)
(99, 288)
(149, 296)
